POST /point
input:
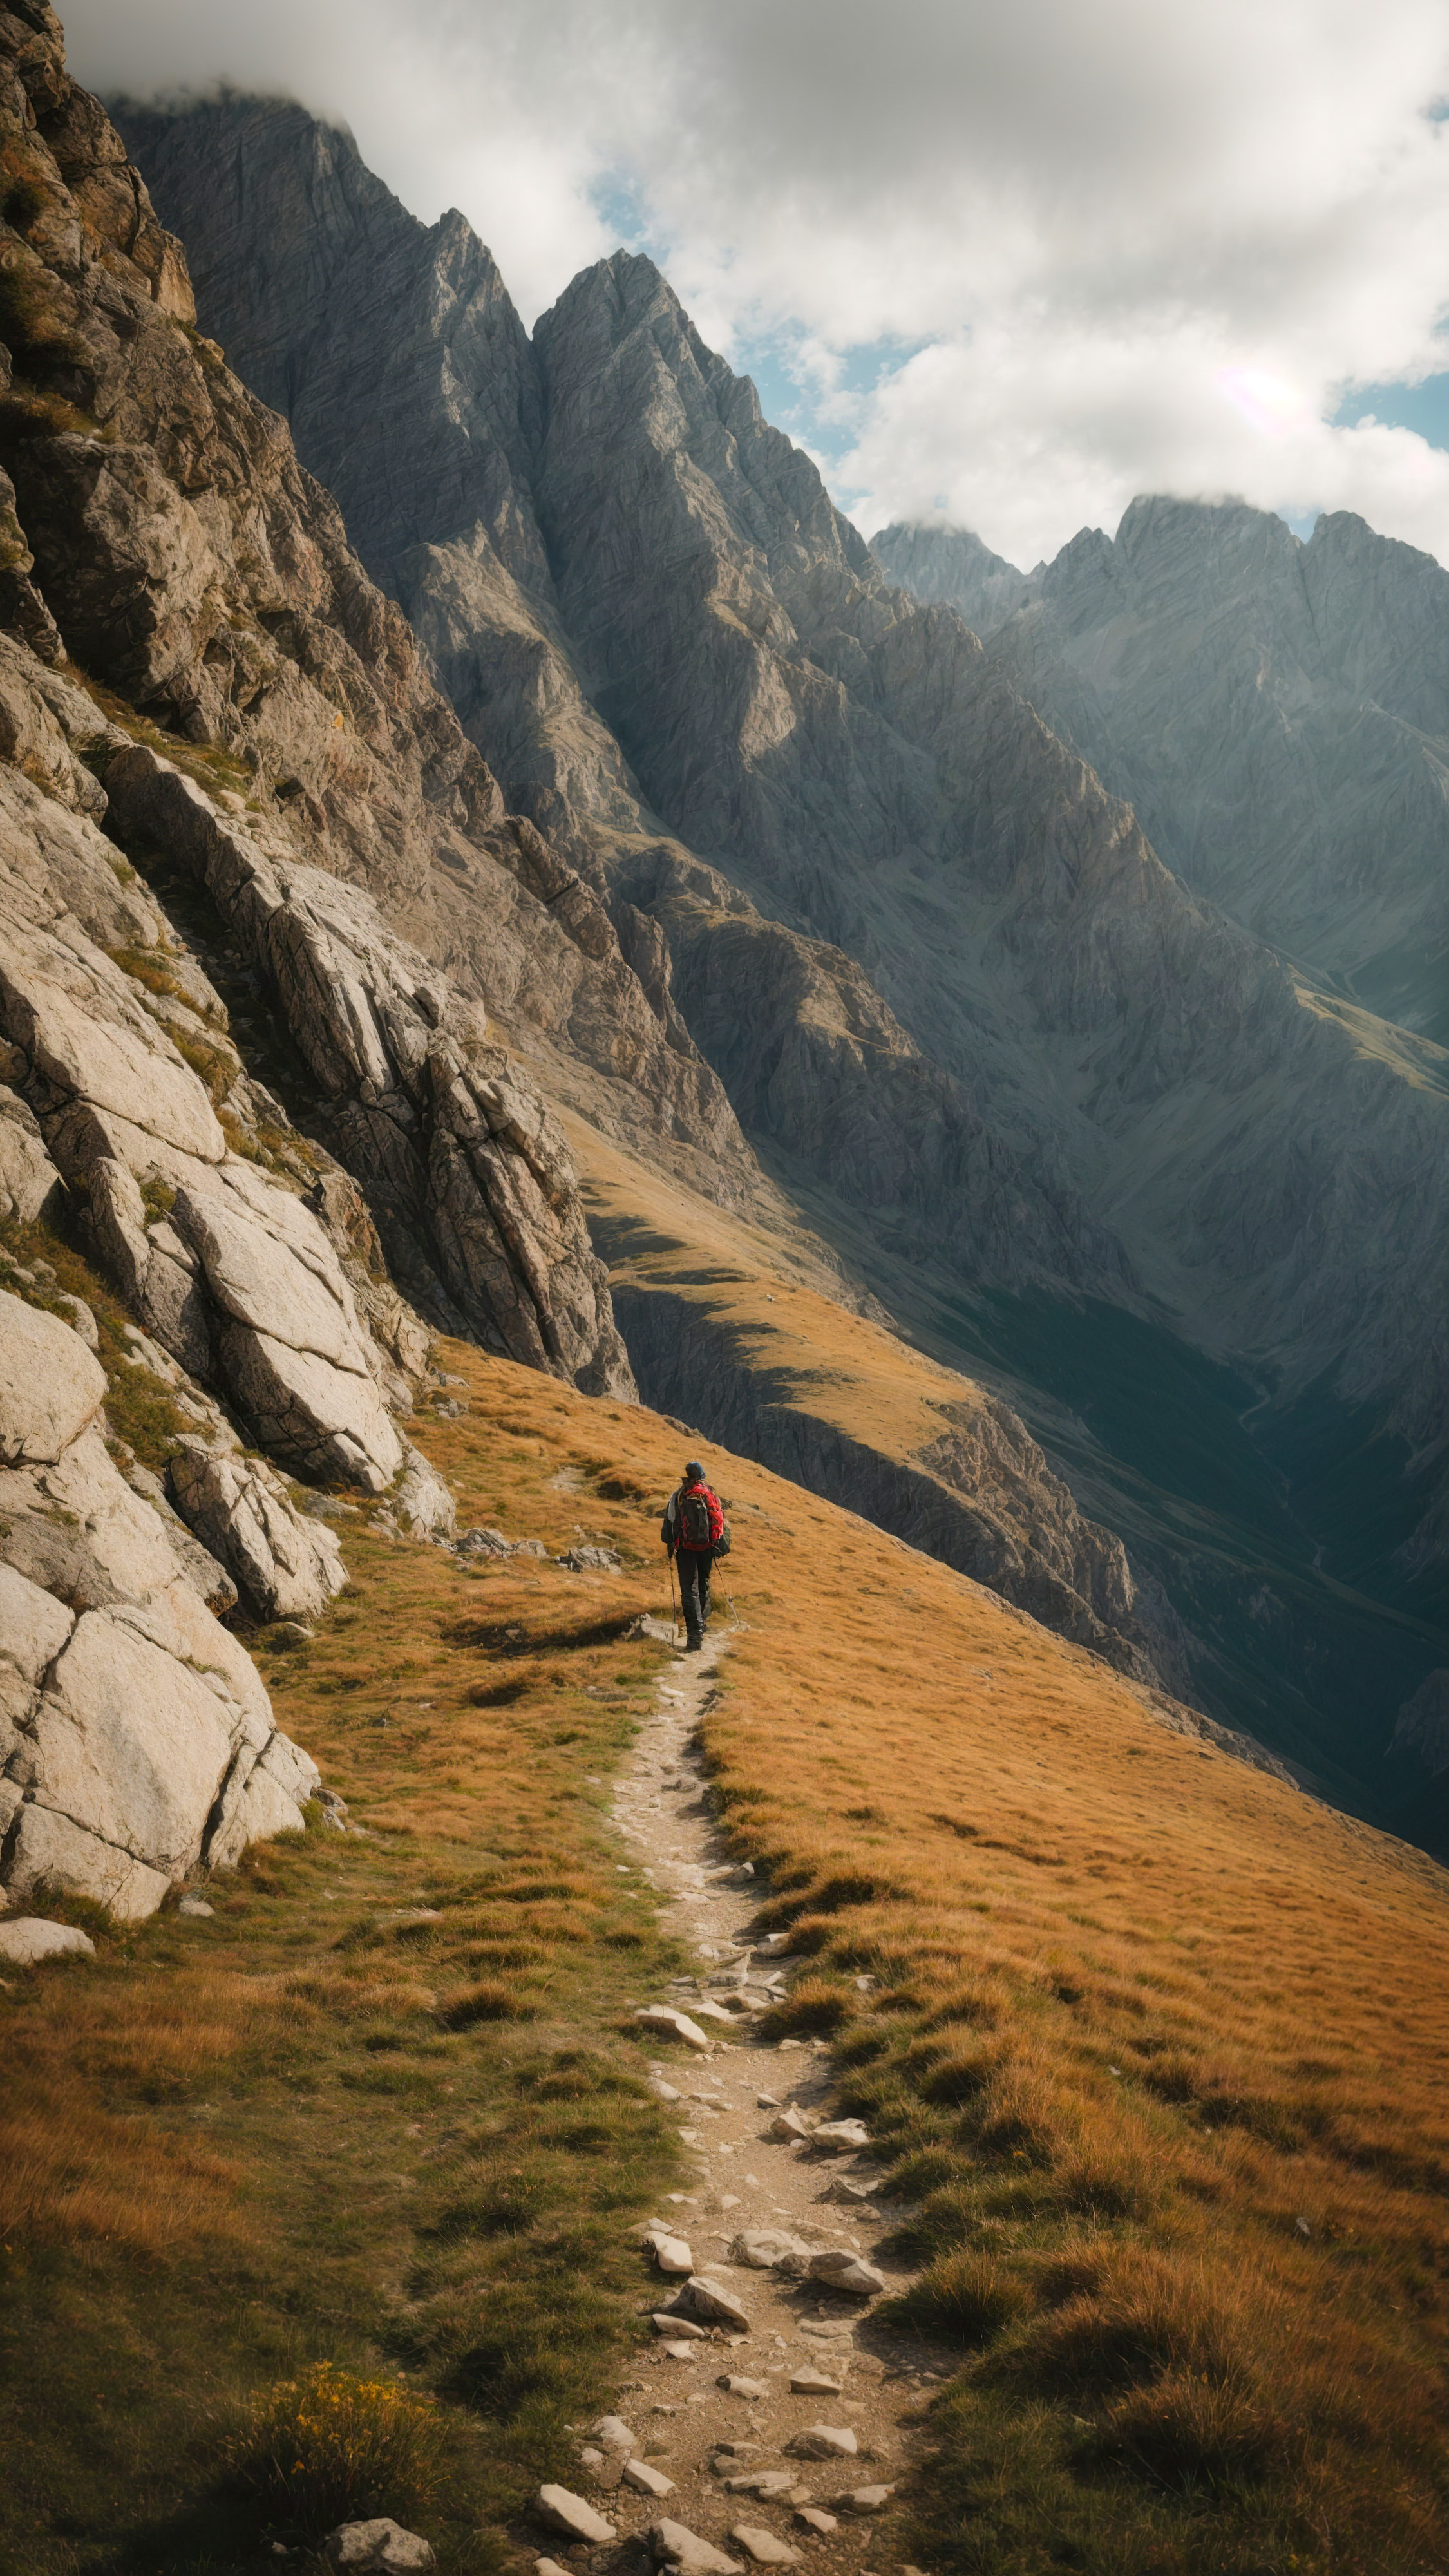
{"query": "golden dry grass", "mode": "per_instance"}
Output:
(771, 1292)
(1136, 2012)
(1156, 2038)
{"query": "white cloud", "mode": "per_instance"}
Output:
(1109, 220)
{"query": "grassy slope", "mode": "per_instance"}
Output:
(1241, 1518)
(771, 1299)
(1138, 2011)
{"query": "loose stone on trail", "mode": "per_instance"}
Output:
(649, 2481)
(840, 2271)
(864, 2499)
(569, 2514)
(672, 2544)
(675, 2025)
(749, 2105)
(671, 2254)
(710, 2301)
(763, 2546)
(823, 2442)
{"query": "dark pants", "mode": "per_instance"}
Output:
(694, 1565)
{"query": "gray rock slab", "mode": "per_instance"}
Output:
(27, 1942)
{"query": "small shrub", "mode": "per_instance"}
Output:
(483, 2003)
(1190, 2431)
(813, 2005)
(329, 2447)
(925, 2170)
(964, 2299)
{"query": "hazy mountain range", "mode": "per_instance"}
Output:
(957, 942)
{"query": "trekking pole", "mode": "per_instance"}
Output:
(673, 1603)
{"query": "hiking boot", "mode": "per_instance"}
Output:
(692, 1645)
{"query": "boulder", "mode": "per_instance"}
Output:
(763, 2547)
(711, 2303)
(136, 1737)
(673, 2544)
(380, 2548)
(671, 2253)
(26, 1941)
(647, 2479)
(287, 1566)
(50, 1386)
(670, 2023)
(837, 2137)
(763, 2247)
(568, 2513)
(484, 1542)
(869, 2499)
(422, 1501)
(788, 2126)
(823, 2442)
(29, 1181)
(839, 2270)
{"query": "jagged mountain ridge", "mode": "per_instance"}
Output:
(1276, 710)
(311, 798)
(1175, 1111)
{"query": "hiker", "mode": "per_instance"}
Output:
(691, 1529)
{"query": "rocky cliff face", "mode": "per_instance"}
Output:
(204, 703)
(1277, 712)
(187, 564)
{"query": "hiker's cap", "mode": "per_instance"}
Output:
(694, 1470)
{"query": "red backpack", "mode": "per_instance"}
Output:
(700, 1519)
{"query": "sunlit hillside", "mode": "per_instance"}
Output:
(1154, 2055)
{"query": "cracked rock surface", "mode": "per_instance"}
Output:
(136, 1737)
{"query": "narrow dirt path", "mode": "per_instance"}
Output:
(862, 2383)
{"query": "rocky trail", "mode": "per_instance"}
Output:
(771, 2418)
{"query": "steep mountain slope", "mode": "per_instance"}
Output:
(1148, 2048)
(1277, 712)
(940, 971)
(199, 1064)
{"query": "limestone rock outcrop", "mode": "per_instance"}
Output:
(466, 1175)
(226, 1268)
(136, 1738)
(188, 562)
(285, 1565)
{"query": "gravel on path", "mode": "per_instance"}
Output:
(715, 2411)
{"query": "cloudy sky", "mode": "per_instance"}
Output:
(1005, 265)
